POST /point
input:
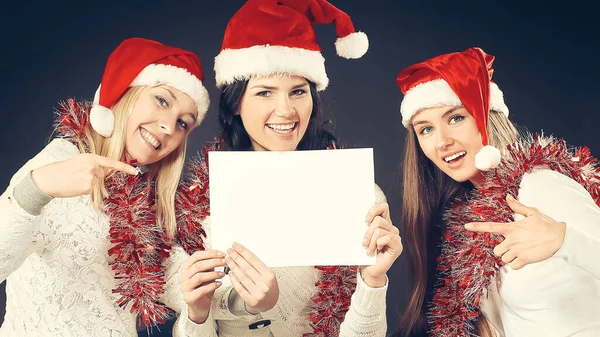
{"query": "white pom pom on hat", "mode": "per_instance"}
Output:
(102, 120)
(352, 46)
(487, 158)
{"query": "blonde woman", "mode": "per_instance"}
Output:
(88, 223)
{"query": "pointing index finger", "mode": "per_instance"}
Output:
(487, 227)
(117, 165)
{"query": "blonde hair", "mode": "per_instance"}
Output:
(166, 172)
(486, 329)
(501, 131)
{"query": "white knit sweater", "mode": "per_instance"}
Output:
(59, 282)
(289, 318)
(558, 297)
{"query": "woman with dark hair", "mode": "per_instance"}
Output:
(515, 270)
(270, 71)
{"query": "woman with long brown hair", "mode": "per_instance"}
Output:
(529, 268)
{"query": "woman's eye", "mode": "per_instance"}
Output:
(265, 93)
(456, 118)
(425, 130)
(298, 92)
(162, 101)
(184, 125)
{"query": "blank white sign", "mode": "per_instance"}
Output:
(296, 208)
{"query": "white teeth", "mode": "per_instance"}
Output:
(282, 127)
(454, 156)
(150, 138)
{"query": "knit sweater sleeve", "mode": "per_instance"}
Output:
(366, 316)
(17, 223)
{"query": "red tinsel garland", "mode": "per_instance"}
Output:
(138, 243)
(467, 261)
(332, 300)
(139, 247)
(192, 203)
(335, 285)
(72, 118)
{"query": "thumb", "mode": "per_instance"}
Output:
(518, 207)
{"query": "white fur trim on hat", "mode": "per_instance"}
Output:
(497, 99)
(487, 158)
(241, 64)
(178, 78)
(352, 46)
(438, 93)
(102, 120)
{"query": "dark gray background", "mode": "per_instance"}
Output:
(546, 65)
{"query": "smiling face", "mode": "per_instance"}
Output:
(160, 120)
(449, 137)
(275, 111)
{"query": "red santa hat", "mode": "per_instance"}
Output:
(455, 79)
(276, 36)
(137, 62)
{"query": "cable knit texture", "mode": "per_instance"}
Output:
(59, 282)
(289, 317)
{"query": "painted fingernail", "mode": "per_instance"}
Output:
(469, 226)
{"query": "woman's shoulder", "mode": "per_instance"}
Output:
(548, 189)
(62, 148)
